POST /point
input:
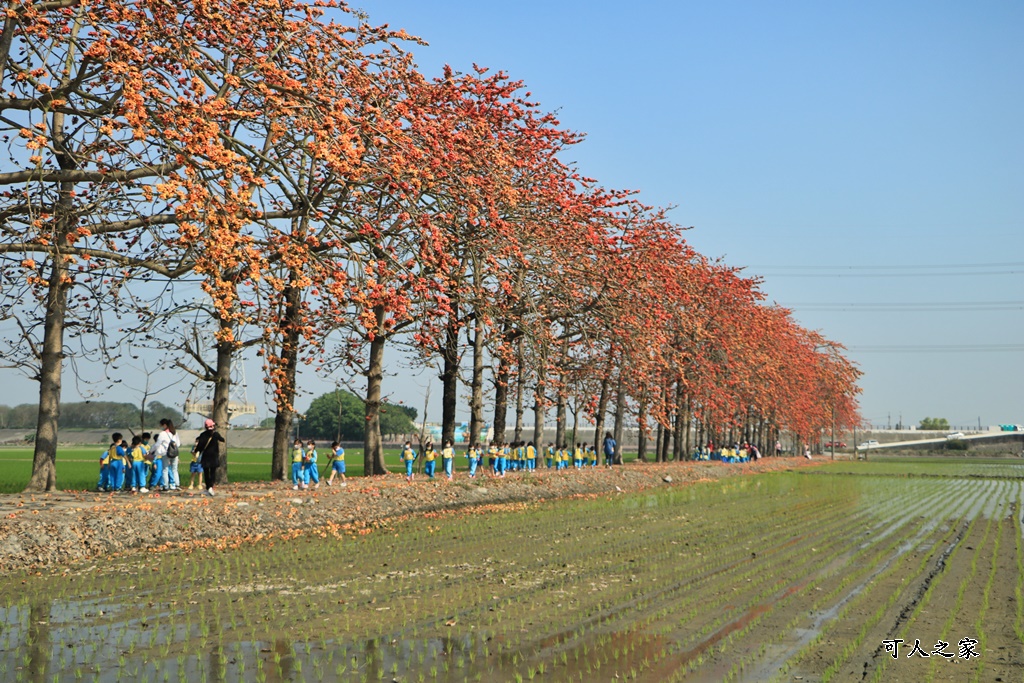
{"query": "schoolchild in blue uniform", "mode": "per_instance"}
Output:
(154, 465)
(409, 457)
(101, 485)
(137, 478)
(550, 455)
(297, 456)
(310, 470)
(337, 464)
(195, 468)
(503, 460)
(156, 472)
(448, 459)
(492, 458)
(473, 458)
(430, 460)
(531, 457)
(113, 462)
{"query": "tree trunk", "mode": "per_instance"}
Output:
(689, 419)
(620, 418)
(559, 412)
(476, 402)
(450, 376)
(221, 397)
(602, 407)
(520, 390)
(44, 458)
(373, 448)
(575, 421)
(284, 395)
(540, 407)
(677, 437)
(51, 355)
(539, 412)
(668, 429)
(500, 400)
(641, 438)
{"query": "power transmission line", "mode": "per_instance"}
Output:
(894, 274)
(891, 270)
(906, 266)
(939, 348)
(899, 307)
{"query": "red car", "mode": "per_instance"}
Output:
(839, 444)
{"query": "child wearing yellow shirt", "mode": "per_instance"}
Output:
(429, 456)
(448, 459)
(408, 457)
(297, 456)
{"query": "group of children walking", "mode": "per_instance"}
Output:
(138, 467)
(305, 469)
(513, 457)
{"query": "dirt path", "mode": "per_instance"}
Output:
(47, 531)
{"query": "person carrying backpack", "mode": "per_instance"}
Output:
(166, 448)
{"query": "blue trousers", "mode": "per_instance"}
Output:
(138, 478)
(428, 468)
(449, 463)
(408, 468)
(297, 473)
(472, 467)
(115, 475)
(157, 473)
(310, 471)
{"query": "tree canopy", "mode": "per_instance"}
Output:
(342, 413)
(934, 423)
(282, 176)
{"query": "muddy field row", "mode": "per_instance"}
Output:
(809, 576)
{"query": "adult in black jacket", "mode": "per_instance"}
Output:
(206, 444)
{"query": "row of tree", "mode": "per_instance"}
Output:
(204, 178)
(92, 415)
(341, 415)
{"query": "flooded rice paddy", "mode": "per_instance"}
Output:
(810, 576)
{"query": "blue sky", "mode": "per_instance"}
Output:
(862, 138)
(851, 153)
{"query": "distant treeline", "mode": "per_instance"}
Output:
(91, 415)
